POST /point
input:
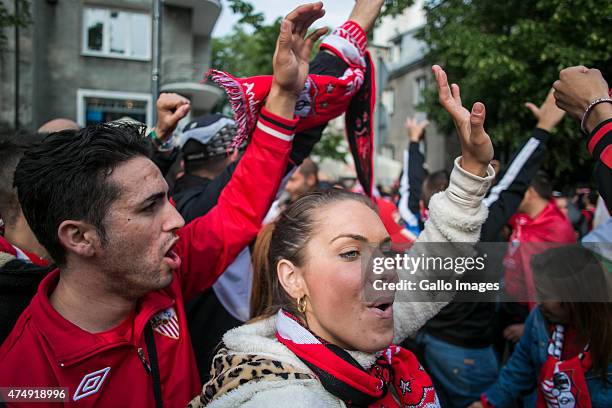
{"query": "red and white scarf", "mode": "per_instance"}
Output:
(562, 383)
(323, 98)
(21, 254)
(395, 380)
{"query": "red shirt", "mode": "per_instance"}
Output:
(108, 369)
(531, 236)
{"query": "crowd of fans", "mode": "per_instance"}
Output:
(210, 266)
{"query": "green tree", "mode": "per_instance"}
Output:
(395, 7)
(333, 146)
(9, 19)
(510, 52)
(246, 51)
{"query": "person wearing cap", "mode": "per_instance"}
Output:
(205, 148)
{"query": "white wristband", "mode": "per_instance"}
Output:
(588, 110)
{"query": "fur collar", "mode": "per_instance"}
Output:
(259, 338)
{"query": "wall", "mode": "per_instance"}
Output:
(52, 67)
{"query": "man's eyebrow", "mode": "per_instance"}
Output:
(153, 197)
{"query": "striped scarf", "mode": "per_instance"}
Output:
(395, 380)
(323, 98)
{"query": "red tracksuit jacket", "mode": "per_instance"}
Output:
(108, 369)
(531, 236)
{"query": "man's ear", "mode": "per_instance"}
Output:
(312, 180)
(290, 277)
(79, 237)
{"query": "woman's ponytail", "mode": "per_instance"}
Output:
(262, 290)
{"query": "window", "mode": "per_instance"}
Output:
(388, 101)
(118, 34)
(420, 83)
(95, 106)
(396, 50)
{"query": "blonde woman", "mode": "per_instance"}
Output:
(314, 341)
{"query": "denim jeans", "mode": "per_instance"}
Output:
(460, 374)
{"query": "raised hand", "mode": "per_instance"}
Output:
(171, 108)
(576, 88)
(476, 146)
(548, 115)
(293, 47)
(414, 129)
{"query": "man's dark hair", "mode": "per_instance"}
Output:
(542, 185)
(12, 147)
(65, 177)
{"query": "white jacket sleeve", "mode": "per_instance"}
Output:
(455, 215)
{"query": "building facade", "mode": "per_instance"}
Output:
(92, 61)
(402, 76)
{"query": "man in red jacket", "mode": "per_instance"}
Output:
(109, 325)
(536, 227)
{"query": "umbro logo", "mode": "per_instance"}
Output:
(91, 383)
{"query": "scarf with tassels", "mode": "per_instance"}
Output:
(395, 380)
(322, 99)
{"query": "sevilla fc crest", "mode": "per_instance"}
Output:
(166, 323)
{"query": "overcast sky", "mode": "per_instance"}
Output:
(336, 12)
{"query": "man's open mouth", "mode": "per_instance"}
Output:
(172, 259)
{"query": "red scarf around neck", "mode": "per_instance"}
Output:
(395, 380)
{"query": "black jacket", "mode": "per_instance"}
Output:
(598, 144)
(18, 284)
(471, 324)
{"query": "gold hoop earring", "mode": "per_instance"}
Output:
(301, 303)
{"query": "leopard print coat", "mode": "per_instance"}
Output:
(230, 371)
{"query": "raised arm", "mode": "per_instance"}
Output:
(506, 196)
(170, 109)
(210, 243)
(584, 94)
(456, 214)
(413, 174)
